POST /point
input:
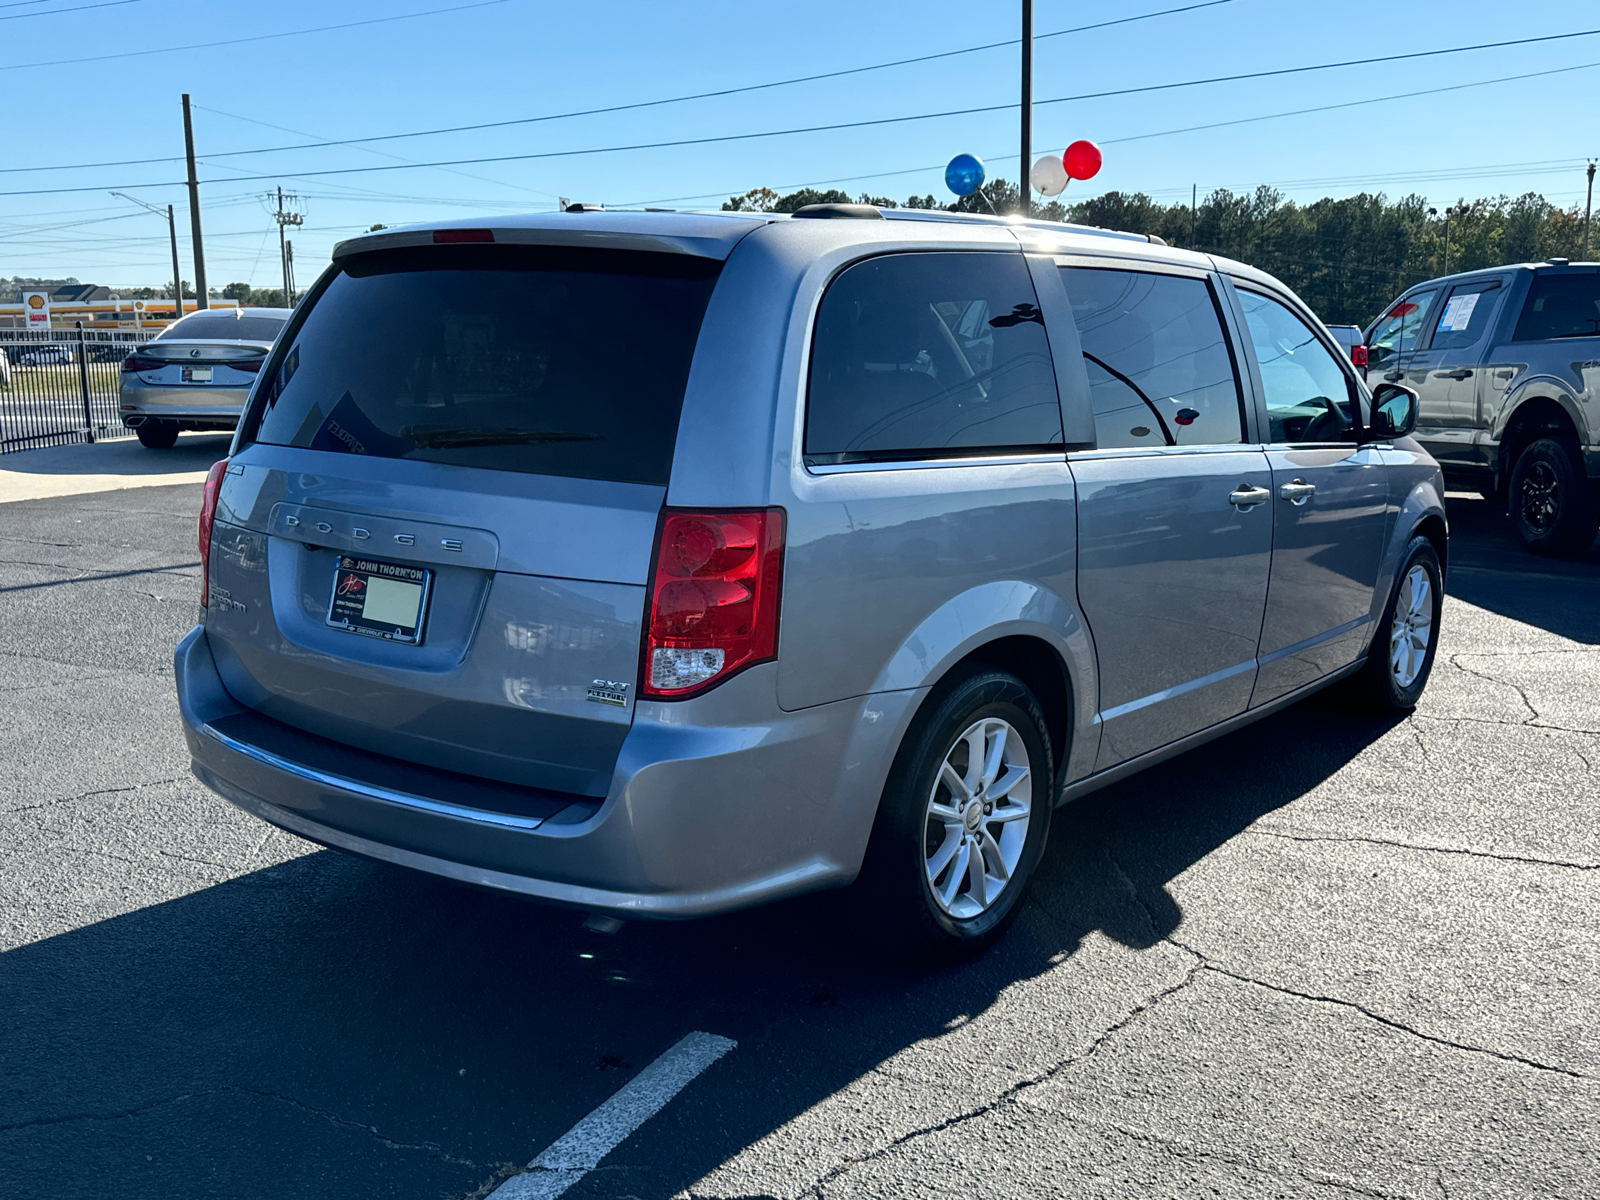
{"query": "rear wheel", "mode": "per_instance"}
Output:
(1551, 503)
(157, 435)
(1407, 638)
(962, 823)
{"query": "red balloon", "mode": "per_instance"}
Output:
(1082, 159)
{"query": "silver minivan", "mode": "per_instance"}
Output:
(663, 564)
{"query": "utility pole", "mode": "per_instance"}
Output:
(1194, 211)
(1588, 209)
(172, 232)
(285, 219)
(194, 217)
(1024, 186)
(288, 248)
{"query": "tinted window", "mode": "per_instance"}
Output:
(224, 326)
(536, 359)
(1160, 371)
(1466, 314)
(1307, 391)
(930, 355)
(1398, 329)
(1561, 306)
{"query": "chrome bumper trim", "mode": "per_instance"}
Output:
(437, 808)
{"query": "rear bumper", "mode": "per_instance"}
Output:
(219, 405)
(716, 803)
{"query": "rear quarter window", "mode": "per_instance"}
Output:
(1560, 306)
(545, 360)
(930, 355)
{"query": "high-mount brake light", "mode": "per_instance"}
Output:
(463, 235)
(139, 362)
(714, 591)
(208, 516)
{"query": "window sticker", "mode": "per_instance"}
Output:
(1457, 313)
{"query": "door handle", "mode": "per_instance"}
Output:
(1297, 492)
(1461, 373)
(1394, 376)
(1247, 496)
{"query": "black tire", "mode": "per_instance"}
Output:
(893, 897)
(157, 435)
(1378, 686)
(1551, 503)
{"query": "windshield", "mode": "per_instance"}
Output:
(223, 326)
(518, 358)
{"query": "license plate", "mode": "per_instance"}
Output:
(380, 599)
(197, 374)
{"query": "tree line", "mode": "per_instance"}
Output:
(1346, 258)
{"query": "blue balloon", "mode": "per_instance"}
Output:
(964, 175)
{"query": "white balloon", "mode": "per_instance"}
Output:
(1048, 177)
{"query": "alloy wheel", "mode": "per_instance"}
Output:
(1541, 497)
(1412, 628)
(976, 823)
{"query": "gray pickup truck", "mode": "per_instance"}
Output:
(1506, 363)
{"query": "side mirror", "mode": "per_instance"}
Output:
(1394, 411)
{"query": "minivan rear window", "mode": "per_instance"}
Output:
(539, 359)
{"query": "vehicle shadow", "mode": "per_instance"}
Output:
(123, 456)
(329, 1026)
(1489, 569)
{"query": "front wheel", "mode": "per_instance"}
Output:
(1407, 638)
(962, 823)
(1551, 505)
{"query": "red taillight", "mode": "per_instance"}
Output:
(245, 364)
(463, 235)
(713, 599)
(135, 362)
(208, 514)
(1358, 355)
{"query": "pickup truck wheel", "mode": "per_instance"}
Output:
(157, 435)
(1407, 637)
(962, 824)
(1550, 500)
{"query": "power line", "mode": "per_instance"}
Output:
(881, 121)
(260, 37)
(589, 112)
(56, 12)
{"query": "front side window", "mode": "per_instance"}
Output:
(1397, 331)
(1160, 372)
(1561, 306)
(1466, 314)
(1307, 392)
(930, 355)
(537, 359)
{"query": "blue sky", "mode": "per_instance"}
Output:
(524, 58)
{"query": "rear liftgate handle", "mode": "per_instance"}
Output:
(1297, 491)
(1247, 496)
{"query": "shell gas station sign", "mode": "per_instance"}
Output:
(36, 308)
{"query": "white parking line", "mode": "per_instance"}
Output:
(580, 1149)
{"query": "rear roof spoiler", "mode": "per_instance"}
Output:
(597, 239)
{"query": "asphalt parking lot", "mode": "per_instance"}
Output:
(1326, 956)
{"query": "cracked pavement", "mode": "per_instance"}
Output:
(1326, 956)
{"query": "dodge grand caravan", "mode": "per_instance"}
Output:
(663, 564)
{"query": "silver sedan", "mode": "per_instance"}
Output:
(196, 373)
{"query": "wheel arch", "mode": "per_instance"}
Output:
(1527, 419)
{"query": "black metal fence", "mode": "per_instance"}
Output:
(60, 385)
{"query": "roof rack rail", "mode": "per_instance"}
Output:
(839, 212)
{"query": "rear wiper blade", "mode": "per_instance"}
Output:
(433, 437)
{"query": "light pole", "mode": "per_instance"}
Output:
(1434, 212)
(1024, 186)
(172, 231)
